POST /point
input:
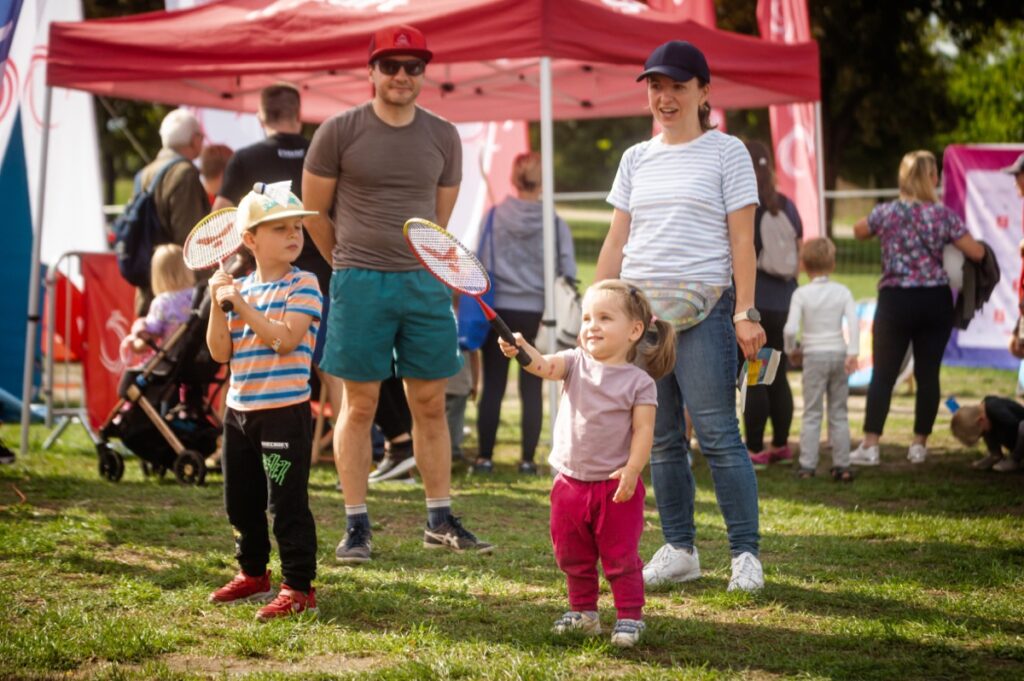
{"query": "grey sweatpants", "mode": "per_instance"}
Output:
(824, 373)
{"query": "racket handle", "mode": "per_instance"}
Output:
(501, 328)
(226, 306)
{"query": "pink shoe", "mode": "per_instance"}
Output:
(781, 454)
(761, 458)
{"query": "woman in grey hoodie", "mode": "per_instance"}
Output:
(514, 257)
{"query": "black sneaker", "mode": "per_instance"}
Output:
(483, 466)
(454, 536)
(7, 457)
(355, 547)
(395, 462)
(527, 468)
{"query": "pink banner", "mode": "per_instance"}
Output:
(793, 125)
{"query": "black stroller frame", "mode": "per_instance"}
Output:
(150, 390)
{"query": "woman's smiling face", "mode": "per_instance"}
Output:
(675, 102)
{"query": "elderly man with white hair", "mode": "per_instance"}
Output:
(181, 200)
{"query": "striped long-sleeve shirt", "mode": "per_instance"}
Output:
(260, 377)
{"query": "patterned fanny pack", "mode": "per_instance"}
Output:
(682, 304)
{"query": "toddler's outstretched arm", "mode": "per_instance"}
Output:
(551, 367)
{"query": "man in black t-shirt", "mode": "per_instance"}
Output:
(277, 158)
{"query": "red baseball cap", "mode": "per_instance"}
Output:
(400, 39)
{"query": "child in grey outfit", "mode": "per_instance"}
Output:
(828, 358)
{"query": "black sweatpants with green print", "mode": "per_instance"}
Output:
(266, 466)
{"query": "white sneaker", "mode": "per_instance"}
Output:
(627, 633)
(670, 564)
(747, 573)
(585, 621)
(917, 453)
(865, 456)
(1006, 466)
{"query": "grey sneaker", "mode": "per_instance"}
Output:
(747, 573)
(396, 462)
(454, 536)
(917, 453)
(355, 547)
(987, 463)
(627, 632)
(670, 564)
(585, 621)
(1006, 466)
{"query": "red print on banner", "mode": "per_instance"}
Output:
(1003, 221)
(999, 315)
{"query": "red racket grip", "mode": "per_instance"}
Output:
(501, 328)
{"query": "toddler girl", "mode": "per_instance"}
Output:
(602, 442)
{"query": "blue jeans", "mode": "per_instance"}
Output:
(704, 381)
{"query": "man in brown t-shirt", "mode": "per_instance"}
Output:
(371, 169)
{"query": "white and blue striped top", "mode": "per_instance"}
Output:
(678, 197)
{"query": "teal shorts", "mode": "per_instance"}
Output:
(379, 318)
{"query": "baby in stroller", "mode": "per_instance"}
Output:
(165, 415)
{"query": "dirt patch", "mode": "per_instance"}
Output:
(328, 663)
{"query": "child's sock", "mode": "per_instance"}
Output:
(357, 516)
(438, 511)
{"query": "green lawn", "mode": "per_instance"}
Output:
(908, 573)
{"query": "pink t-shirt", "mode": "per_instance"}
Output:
(594, 428)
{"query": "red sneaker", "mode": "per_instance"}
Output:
(289, 602)
(780, 454)
(761, 458)
(244, 588)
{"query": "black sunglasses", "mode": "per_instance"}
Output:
(413, 67)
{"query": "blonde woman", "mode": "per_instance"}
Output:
(915, 304)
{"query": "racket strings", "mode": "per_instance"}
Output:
(212, 241)
(448, 259)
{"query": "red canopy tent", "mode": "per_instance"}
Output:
(485, 63)
(493, 60)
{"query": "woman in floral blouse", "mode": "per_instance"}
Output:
(915, 303)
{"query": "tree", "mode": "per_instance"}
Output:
(986, 86)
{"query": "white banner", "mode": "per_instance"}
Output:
(993, 212)
(73, 212)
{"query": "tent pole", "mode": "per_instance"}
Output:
(33, 282)
(547, 150)
(819, 146)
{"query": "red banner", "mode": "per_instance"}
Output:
(109, 312)
(793, 125)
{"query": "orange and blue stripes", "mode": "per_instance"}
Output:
(260, 377)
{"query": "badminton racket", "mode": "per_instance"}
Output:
(456, 267)
(211, 242)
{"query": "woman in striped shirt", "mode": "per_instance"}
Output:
(682, 230)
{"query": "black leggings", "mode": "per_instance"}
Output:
(773, 401)
(904, 316)
(495, 374)
(393, 416)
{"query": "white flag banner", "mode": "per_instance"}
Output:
(73, 212)
(17, 37)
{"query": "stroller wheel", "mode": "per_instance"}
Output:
(149, 470)
(189, 468)
(111, 463)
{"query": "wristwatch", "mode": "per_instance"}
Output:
(750, 315)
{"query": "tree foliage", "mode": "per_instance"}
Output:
(986, 86)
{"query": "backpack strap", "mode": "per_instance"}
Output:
(158, 178)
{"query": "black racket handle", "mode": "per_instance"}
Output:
(226, 306)
(499, 325)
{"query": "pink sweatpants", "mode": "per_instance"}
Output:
(587, 525)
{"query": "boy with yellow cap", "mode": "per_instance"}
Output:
(268, 336)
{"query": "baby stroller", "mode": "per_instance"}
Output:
(165, 415)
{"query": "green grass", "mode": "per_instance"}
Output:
(908, 573)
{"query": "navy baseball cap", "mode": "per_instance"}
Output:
(679, 60)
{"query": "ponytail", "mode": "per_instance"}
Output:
(659, 356)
